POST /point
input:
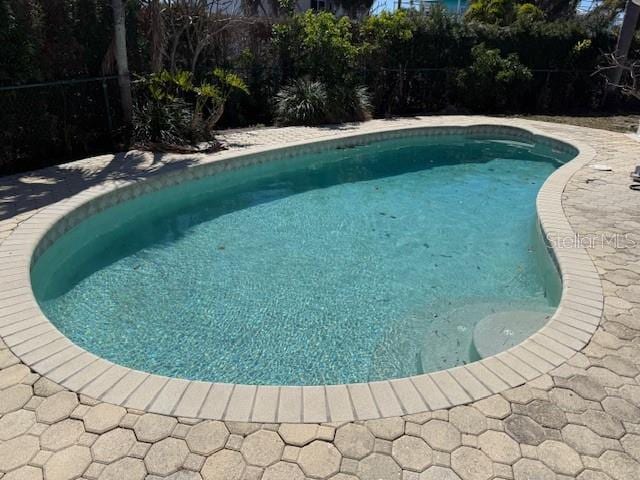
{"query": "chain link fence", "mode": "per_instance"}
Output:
(46, 123)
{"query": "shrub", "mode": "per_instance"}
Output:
(302, 102)
(307, 102)
(412, 62)
(318, 45)
(492, 80)
(350, 104)
(501, 12)
(160, 121)
(529, 13)
(171, 110)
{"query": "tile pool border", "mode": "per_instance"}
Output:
(37, 342)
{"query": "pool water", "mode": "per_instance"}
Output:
(355, 264)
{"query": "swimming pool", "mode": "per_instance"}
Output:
(353, 264)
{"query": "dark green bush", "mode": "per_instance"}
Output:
(350, 104)
(492, 81)
(318, 45)
(537, 57)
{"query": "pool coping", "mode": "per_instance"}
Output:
(38, 343)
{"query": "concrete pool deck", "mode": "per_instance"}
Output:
(579, 420)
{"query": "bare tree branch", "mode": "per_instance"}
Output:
(629, 83)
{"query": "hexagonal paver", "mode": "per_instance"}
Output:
(166, 456)
(223, 465)
(527, 469)
(377, 466)
(151, 427)
(283, 471)
(605, 377)
(61, 435)
(262, 448)
(386, 428)
(13, 375)
(499, 447)
(521, 395)
(619, 465)
(180, 475)
(593, 475)
(495, 407)
(319, 459)
(583, 440)
(354, 441)
(17, 452)
(560, 457)
(24, 473)
(603, 424)
(45, 387)
(242, 428)
(16, 423)
(14, 398)
(468, 420)
(298, 434)
(441, 435)
(567, 400)
(471, 464)
(621, 409)
(631, 393)
(524, 430)
(411, 453)
(57, 407)
(113, 445)
(544, 413)
(587, 388)
(125, 469)
(631, 445)
(67, 464)
(207, 437)
(103, 417)
(439, 473)
(620, 365)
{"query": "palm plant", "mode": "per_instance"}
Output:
(172, 109)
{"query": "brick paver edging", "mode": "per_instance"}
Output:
(38, 344)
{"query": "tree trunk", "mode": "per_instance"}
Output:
(120, 35)
(625, 38)
(157, 37)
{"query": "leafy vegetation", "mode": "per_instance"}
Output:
(201, 70)
(172, 110)
(506, 12)
(492, 81)
(302, 102)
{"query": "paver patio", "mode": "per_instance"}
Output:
(580, 421)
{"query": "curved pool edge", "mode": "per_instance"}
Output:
(38, 344)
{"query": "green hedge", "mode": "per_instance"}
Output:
(409, 62)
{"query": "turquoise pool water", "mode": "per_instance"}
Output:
(352, 265)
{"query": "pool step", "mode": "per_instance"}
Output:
(494, 324)
(502, 330)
